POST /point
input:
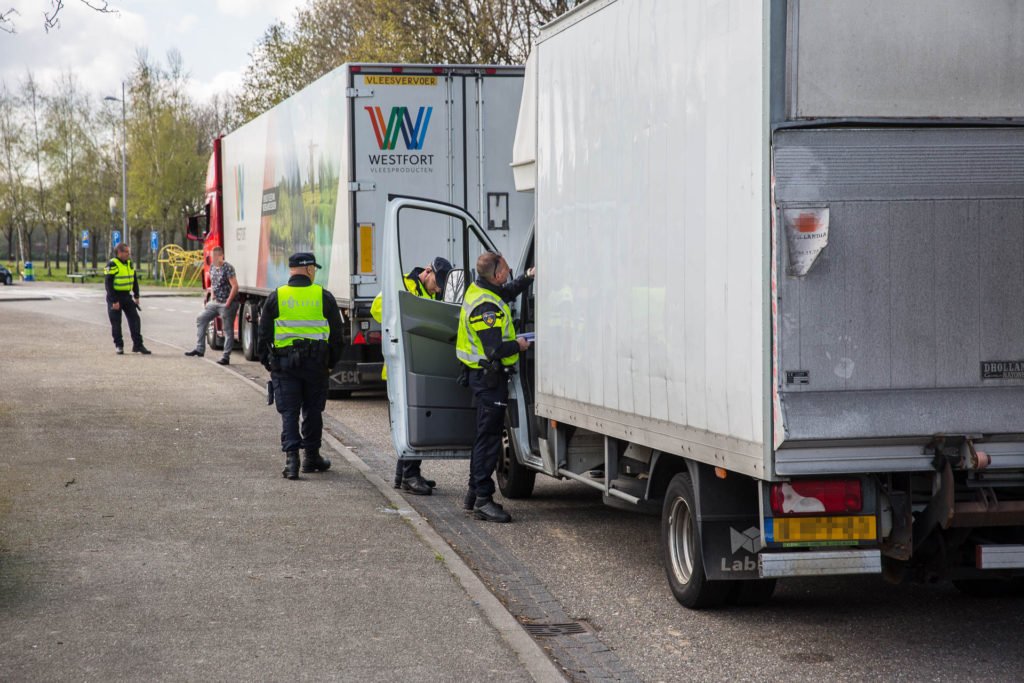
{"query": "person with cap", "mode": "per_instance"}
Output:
(122, 287)
(300, 340)
(487, 345)
(427, 282)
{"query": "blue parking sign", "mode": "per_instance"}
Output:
(116, 237)
(85, 239)
(154, 240)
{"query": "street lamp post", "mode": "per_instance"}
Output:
(113, 207)
(67, 213)
(124, 164)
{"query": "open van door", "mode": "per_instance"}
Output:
(432, 415)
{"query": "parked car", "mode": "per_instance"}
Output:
(6, 276)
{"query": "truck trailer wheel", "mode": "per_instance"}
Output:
(214, 340)
(249, 324)
(680, 542)
(514, 480)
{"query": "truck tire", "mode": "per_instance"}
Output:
(250, 323)
(514, 480)
(214, 340)
(680, 542)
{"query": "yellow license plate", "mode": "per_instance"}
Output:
(790, 529)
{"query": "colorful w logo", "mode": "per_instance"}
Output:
(412, 133)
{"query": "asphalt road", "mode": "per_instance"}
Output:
(602, 566)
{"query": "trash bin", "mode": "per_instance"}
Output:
(29, 272)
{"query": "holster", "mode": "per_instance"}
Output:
(494, 373)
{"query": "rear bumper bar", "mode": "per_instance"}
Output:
(1000, 556)
(820, 563)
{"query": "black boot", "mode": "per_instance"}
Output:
(416, 486)
(314, 462)
(469, 500)
(489, 511)
(291, 466)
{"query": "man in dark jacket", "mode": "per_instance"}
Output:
(489, 348)
(300, 340)
(123, 297)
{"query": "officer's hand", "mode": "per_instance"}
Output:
(137, 303)
(532, 272)
(115, 306)
(523, 343)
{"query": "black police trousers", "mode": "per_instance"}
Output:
(491, 403)
(407, 469)
(131, 312)
(300, 393)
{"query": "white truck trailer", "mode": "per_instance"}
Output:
(780, 266)
(314, 174)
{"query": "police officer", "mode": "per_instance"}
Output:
(488, 346)
(427, 282)
(123, 297)
(300, 337)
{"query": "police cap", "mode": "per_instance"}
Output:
(301, 259)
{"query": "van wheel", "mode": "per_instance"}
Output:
(514, 480)
(680, 542)
(249, 324)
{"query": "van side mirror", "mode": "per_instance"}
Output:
(455, 287)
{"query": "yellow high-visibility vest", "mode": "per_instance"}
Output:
(300, 315)
(468, 347)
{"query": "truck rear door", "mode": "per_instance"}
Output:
(403, 143)
(432, 415)
(900, 261)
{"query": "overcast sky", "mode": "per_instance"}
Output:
(213, 36)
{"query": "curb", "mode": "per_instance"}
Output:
(534, 659)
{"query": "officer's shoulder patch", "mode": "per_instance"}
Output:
(489, 318)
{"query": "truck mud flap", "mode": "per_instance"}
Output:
(730, 527)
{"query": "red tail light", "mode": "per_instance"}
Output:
(355, 69)
(438, 70)
(490, 72)
(359, 338)
(373, 338)
(396, 69)
(816, 496)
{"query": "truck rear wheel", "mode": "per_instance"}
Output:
(214, 340)
(249, 324)
(680, 542)
(514, 480)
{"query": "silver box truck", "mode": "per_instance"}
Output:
(314, 174)
(780, 267)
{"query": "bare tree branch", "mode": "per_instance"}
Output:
(6, 22)
(52, 20)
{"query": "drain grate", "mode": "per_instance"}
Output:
(555, 630)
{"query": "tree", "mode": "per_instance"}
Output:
(328, 33)
(12, 172)
(168, 147)
(51, 19)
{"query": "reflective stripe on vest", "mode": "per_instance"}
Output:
(300, 315)
(124, 274)
(469, 348)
